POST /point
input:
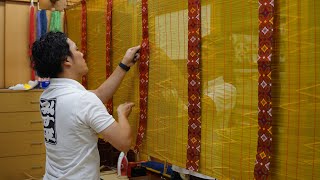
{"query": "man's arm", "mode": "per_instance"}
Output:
(107, 89)
(119, 134)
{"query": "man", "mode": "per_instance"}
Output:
(72, 115)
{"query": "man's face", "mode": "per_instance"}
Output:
(78, 63)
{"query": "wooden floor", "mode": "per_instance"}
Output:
(150, 176)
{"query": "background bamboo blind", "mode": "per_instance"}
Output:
(229, 81)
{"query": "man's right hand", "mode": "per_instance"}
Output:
(131, 56)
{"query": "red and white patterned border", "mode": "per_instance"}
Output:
(84, 37)
(266, 16)
(194, 88)
(144, 76)
(108, 47)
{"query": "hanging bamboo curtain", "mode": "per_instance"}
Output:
(296, 91)
(229, 78)
(229, 91)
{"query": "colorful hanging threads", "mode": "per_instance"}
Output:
(31, 35)
(38, 25)
(44, 21)
(41, 30)
(55, 21)
(31, 29)
(41, 23)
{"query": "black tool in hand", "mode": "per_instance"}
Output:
(136, 56)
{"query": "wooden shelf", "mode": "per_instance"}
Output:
(21, 0)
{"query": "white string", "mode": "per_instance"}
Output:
(38, 4)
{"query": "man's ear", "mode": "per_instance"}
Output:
(67, 62)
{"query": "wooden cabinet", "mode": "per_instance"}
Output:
(22, 151)
(22, 167)
(19, 101)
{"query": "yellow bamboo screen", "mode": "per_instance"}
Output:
(229, 81)
(167, 111)
(296, 91)
(74, 25)
(125, 33)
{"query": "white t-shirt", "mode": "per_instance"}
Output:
(72, 117)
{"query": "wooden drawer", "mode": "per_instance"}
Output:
(22, 143)
(17, 168)
(16, 101)
(20, 121)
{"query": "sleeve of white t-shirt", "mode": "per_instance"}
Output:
(93, 113)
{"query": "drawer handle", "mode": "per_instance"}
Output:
(34, 102)
(36, 143)
(36, 121)
(36, 167)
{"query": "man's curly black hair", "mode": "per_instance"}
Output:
(48, 53)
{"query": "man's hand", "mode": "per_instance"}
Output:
(125, 109)
(131, 56)
(119, 133)
(109, 87)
